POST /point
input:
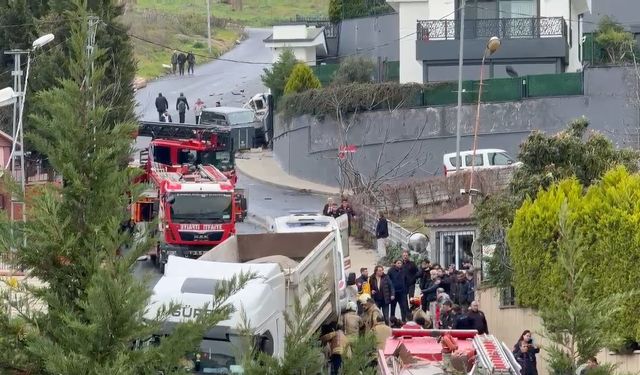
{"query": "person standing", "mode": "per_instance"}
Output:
(174, 61)
(399, 281)
(460, 291)
(182, 105)
(362, 282)
(161, 105)
(346, 209)
(181, 60)
(477, 319)
(370, 314)
(351, 321)
(383, 291)
(531, 349)
(198, 107)
(191, 62)
(525, 359)
(326, 211)
(382, 332)
(411, 273)
(339, 345)
(382, 233)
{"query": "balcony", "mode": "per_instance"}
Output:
(503, 28)
(543, 42)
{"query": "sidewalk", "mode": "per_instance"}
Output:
(261, 166)
(361, 256)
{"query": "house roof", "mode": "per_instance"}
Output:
(310, 37)
(463, 214)
(6, 136)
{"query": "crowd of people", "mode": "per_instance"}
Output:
(182, 106)
(426, 297)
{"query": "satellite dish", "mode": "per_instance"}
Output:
(418, 242)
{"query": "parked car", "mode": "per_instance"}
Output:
(486, 158)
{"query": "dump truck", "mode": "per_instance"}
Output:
(283, 264)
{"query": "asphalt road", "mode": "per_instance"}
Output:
(215, 81)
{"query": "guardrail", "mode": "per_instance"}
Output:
(397, 234)
(504, 28)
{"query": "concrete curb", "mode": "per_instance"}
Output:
(302, 190)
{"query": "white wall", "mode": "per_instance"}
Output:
(302, 54)
(290, 32)
(409, 12)
(569, 9)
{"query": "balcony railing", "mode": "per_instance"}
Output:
(503, 28)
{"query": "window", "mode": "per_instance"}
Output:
(201, 208)
(162, 155)
(453, 162)
(454, 248)
(187, 156)
(507, 297)
(496, 158)
(241, 117)
(478, 160)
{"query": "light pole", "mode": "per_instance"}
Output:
(209, 25)
(460, 63)
(20, 94)
(492, 46)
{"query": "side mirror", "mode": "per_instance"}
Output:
(171, 199)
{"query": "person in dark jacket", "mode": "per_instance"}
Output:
(174, 61)
(182, 105)
(161, 105)
(447, 316)
(460, 291)
(461, 320)
(471, 282)
(429, 292)
(477, 319)
(383, 291)
(526, 340)
(382, 233)
(410, 273)
(182, 58)
(399, 281)
(346, 209)
(526, 360)
(191, 62)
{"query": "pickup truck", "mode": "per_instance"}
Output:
(283, 264)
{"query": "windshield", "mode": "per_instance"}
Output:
(222, 160)
(212, 357)
(241, 117)
(201, 208)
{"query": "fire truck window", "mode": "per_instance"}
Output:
(146, 211)
(162, 155)
(187, 156)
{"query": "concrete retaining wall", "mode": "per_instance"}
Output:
(306, 146)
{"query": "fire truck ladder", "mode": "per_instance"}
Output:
(170, 130)
(493, 357)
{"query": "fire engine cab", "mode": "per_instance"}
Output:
(175, 145)
(194, 206)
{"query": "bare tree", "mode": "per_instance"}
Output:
(385, 169)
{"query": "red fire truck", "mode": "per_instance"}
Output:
(195, 208)
(176, 145)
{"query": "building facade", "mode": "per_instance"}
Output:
(308, 43)
(537, 37)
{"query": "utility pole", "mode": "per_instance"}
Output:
(18, 135)
(460, 63)
(93, 22)
(209, 25)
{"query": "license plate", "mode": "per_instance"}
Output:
(200, 237)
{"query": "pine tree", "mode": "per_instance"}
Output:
(301, 79)
(276, 77)
(90, 311)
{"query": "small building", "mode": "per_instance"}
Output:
(308, 43)
(452, 234)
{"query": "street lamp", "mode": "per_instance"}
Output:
(492, 46)
(17, 95)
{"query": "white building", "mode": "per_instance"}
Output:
(538, 36)
(307, 43)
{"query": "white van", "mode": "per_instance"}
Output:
(486, 158)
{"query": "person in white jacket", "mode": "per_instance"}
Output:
(197, 108)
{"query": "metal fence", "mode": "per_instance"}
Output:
(504, 28)
(397, 234)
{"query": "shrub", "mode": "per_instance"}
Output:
(354, 97)
(354, 69)
(198, 44)
(617, 43)
(276, 77)
(301, 79)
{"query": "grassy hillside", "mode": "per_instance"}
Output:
(254, 12)
(182, 24)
